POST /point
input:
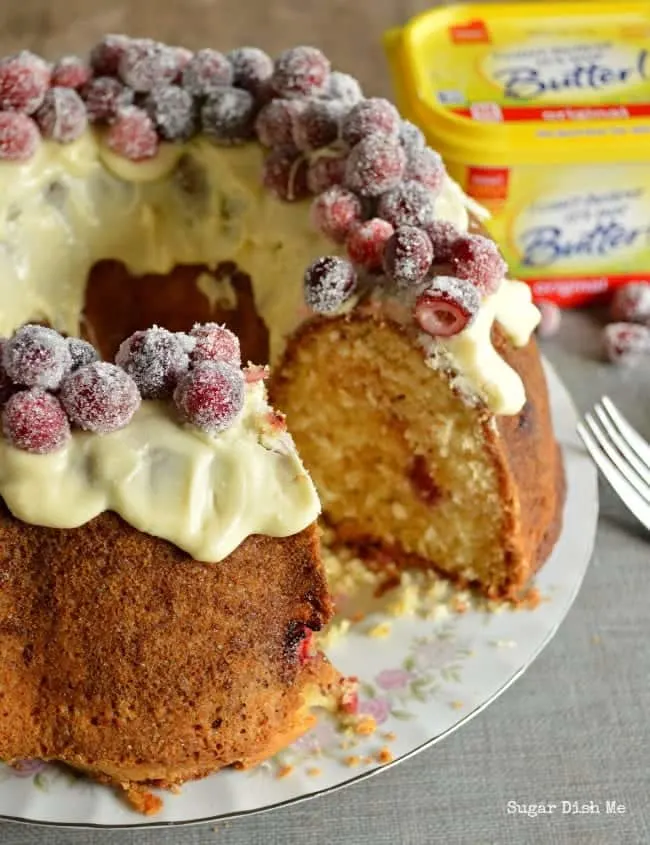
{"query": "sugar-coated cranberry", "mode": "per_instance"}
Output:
(317, 125)
(215, 343)
(36, 357)
(374, 116)
(411, 137)
(71, 72)
(133, 135)
(447, 307)
(24, 79)
(81, 352)
(366, 243)
(19, 136)
(325, 171)
(62, 117)
(301, 71)
(551, 317)
(106, 55)
(104, 97)
(171, 109)
(155, 359)
(626, 343)
(145, 64)
(425, 166)
(478, 259)
(207, 71)
(442, 235)
(34, 421)
(631, 303)
(344, 88)
(335, 212)
(100, 397)
(252, 68)
(409, 204)
(284, 173)
(211, 396)
(329, 282)
(7, 387)
(375, 166)
(228, 116)
(408, 255)
(274, 123)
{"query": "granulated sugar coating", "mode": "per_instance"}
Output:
(213, 342)
(631, 303)
(274, 123)
(81, 352)
(106, 54)
(442, 235)
(144, 64)
(211, 396)
(34, 421)
(284, 173)
(375, 165)
(408, 255)
(104, 97)
(71, 72)
(366, 243)
(252, 68)
(24, 79)
(100, 397)
(19, 136)
(374, 116)
(62, 117)
(300, 72)
(228, 116)
(325, 171)
(477, 259)
(171, 109)
(329, 281)
(155, 359)
(36, 357)
(425, 165)
(626, 343)
(133, 135)
(447, 306)
(411, 137)
(409, 204)
(344, 87)
(207, 71)
(317, 124)
(335, 212)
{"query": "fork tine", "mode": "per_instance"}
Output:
(622, 445)
(631, 435)
(626, 492)
(617, 459)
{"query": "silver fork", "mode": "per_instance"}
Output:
(621, 454)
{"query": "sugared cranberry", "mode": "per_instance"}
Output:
(285, 173)
(104, 97)
(366, 243)
(344, 88)
(447, 307)
(106, 55)
(335, 212)
(411, 137)
(145, 64)
(477, 259)
(228, 116)
(252, 68)
(299, 72)
(81, 352)
(172, 111)
(100, 397)
(408, 255)
(631, 303)
(442, 235)
(7, 387)
(374, 116)
(375, 166)
(325, 171)
(274, 123)
(409, 204)
(425, 166)
(183, 58)
(551, 317)
(329, 282)
(211, 396)
(317, 125)
(19, 136)
(24, 79)
(155, 359)
(626, 343)
(62, 117)
(215, 343)
(71, 72)
(34, 421)
(208, 71)
(36, 357)
(133, 135)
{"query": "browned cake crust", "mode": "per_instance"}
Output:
(122, 656)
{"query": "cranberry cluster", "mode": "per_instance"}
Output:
(627, 337)
(49, 384)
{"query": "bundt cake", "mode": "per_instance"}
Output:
(146, 640)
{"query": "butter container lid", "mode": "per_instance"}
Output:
(509, 78)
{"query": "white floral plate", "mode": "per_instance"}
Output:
(421, 678)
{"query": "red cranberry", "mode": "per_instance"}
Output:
(104, 97)
(335, 212)
(172, 111)
(366, 243)
(408, 255)
(155, 360)
(252, 68)
(447, 307)
(34, 421)
(409, 204)
(81, 352)
(425, 166)
(317, 125)
(411, 137)
(375, 166)
(299, 72)
(100, 397)
(329, 282)
(325, 171)
(274, 123)
(344, 88)
(211, 396)
(207, 72)
(133, 135)
(626, 343)
(631, 303)
(477, 259)
(183, 58)
(442, 235)
(36, 357)
(551, 317)
(228, 116)
(285, 174)
(62, 117)
(71, 72)
(374, 116)
(145, 64)
(19, 136)
(24, 79)
(106, 55)
(215, 343)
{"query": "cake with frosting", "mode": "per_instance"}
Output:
(152, 185)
